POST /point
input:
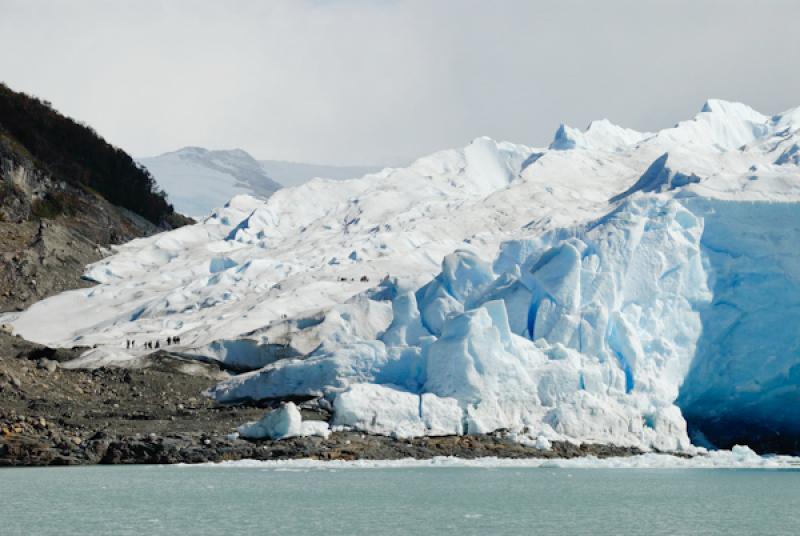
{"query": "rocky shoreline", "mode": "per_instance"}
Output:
(31, 447)
(156, 414)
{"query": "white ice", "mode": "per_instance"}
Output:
(739, 457)
(282, 423)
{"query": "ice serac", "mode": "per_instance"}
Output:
(389, 410)
(658, 178)
(613, 307)
(487, 165)
(613, 318)
(657, 299)
(721, 125)
(406, 327)
(602, 135)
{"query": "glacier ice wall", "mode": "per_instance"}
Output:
(614, 331)
(744, 383)
(587, 333)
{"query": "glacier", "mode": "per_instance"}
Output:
(640, 289)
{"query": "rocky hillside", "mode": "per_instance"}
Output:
(65, 196)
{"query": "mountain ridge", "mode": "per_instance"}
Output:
(198, 180)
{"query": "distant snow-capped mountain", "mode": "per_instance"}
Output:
(198, 180)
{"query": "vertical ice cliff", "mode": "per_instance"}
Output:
(744, 384)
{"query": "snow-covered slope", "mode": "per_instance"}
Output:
(602, 289)
(296, 173)
(197, 180)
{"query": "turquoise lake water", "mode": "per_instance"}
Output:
(153, 500)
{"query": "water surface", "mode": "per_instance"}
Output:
(204, 500)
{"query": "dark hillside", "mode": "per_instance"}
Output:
(66, 196)
(77, 155)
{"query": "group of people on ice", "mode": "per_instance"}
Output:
(131, 343)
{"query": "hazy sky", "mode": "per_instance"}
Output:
(382, 82)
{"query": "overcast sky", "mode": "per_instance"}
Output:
(382, 82)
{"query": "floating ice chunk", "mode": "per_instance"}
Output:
(282, 423)
(279, 423)
(714, 459)
(315, 428)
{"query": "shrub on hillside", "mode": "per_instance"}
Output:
(76, 154)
